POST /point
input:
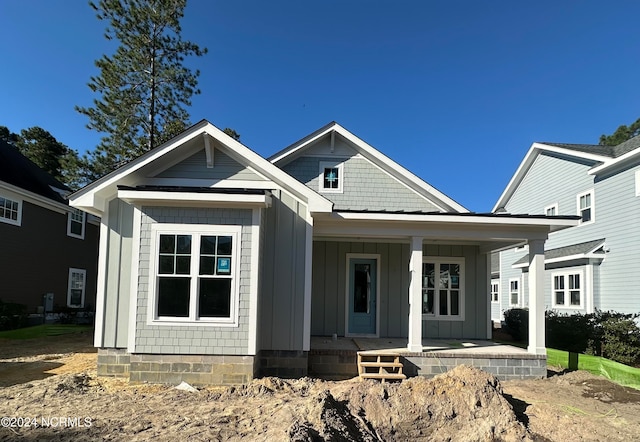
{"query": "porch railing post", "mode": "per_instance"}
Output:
(415, 296)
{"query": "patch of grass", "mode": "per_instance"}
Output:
(614, 371)
(40, 331)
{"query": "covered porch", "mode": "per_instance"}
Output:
(432, 316)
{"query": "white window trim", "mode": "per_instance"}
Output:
(17, 222)
(436, 316)
(70, 221)
(567, 295)
(195, 229)
(593, 207)
(334, 165)
(495, 283)
(518, 281)
(552, 206)
(637, 175)
(83, 272)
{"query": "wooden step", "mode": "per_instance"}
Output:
(383, 366)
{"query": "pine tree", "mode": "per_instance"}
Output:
(622, 134)
(143, 87)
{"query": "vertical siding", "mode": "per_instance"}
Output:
(365, 186)
(282, 293)
(224, 168)
(329, 286)
(193, 338)
(118, 276)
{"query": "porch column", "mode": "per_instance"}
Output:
(536, 298)
(415, 295)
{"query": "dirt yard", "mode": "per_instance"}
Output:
(49, 392)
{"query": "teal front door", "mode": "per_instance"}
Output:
(362, 296)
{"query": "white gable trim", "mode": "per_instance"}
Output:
(612, 162)
(376, 157)
(92, 197)
(527, 162)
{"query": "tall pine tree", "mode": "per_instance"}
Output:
(144, 87)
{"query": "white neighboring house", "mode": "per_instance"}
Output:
(595, 265)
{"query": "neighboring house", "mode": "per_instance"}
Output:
(47, 247)
(595, 265)
(217, 264)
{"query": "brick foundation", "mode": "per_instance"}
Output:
(288, 364)
(333, 364)
(173, 369)
(504, 367)
(113, 362)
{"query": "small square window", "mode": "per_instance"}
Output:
(331, 177)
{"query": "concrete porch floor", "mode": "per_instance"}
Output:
(333, 358)
(399, 345)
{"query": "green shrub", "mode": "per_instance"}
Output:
(568, 332)
(517, 323)
(621, 340)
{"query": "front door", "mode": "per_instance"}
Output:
(362, 296)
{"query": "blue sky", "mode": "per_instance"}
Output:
(456, 91)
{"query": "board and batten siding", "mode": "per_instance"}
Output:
(365, 186)
(281, 314)
(329, 289)
(224, 168)
(193, 338)
(117, 274)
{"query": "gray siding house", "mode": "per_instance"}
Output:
(217, 265)
(47, 247)
(596, 264)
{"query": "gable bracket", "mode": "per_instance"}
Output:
(208, 150)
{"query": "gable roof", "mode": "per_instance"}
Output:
(19, 171)
(92, 198)
(602, 158)
(375, 156)
(573, 251)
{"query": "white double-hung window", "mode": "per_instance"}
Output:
(10, 210)
(443, 288)
(195, 273)
(585, 206)
(568, 288)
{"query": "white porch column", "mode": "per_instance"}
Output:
(536, 297)
(415, 295)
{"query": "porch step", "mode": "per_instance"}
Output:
(383, 366)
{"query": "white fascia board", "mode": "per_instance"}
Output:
(315, 201)
(301, 144)
(455, 219)
(36, 199)
(84, 196)
(528, 160)
(136, 196)
(402, 174)
(612, 162)
(213, 184)
(382, 161)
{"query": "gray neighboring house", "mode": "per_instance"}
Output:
(595, 265)
(47, 247)
(217, 265)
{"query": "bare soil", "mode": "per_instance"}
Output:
(53, 382)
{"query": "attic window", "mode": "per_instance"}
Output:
(331, 177)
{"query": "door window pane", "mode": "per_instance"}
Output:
(361, 288)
